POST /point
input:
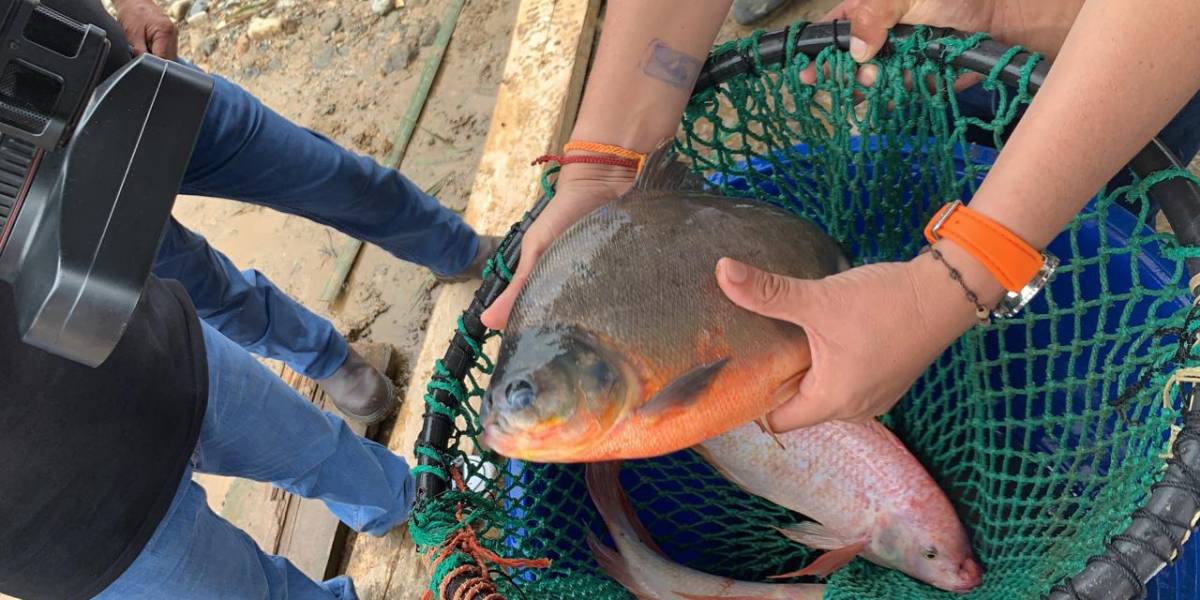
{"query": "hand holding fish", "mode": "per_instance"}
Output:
(872, 330)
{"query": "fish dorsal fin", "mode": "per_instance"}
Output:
(683, 390)
(813, 535)
(662, 170)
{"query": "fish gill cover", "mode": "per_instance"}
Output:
(1045, 430)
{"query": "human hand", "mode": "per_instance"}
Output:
(148, 28)
(1034, 24)
(581, 188)
(872, 331)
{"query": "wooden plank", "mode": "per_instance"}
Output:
(535, 110)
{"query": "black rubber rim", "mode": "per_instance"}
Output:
(1158, 529)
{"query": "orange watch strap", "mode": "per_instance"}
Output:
(1012, 261)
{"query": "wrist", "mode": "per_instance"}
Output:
(946, 299)
(604, 179)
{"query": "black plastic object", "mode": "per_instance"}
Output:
(86, 215)
(48, 67)
(1158, 530)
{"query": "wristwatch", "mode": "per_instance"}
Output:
(1020, 268)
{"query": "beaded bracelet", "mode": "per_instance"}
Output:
(981, 312)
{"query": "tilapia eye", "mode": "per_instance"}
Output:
(929, 553)
(519, 394)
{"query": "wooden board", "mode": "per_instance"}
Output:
(300, 529)
(535, 110)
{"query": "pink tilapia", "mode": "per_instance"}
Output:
(868, 496)
(646, 572)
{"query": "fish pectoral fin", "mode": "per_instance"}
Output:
(813, 535)
(827, 563)
(614, 565)
(766, 428)
(683, 390)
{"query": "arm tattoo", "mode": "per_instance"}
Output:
(671, 66)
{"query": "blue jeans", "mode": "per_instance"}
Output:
(256, 427)
(249, 153)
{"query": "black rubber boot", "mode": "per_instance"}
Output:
(488, 244)
(360, 391)
(749, 12)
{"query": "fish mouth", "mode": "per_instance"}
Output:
(529, 445)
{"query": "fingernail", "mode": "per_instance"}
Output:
(858, 49)
(735, 271)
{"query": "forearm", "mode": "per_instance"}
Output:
(1123, 72)
(649, 56)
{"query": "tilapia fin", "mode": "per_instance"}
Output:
(614, 565)
(766, 428)
(827, 563)
(813, 535)
(882, 431)
(604, 486)
(683, 390)
(662, 170)
(687, 596)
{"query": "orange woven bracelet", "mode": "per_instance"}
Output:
(616, 155)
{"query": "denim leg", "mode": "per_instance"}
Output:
(258, 428)
(247, 308)
(249, 153)
(196, 555)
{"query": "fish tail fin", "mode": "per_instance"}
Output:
(604, 485)
(614, 565)
(827, 563)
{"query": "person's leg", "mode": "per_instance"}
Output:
(256, 427)
(247, 152)
(247, 308)
(196, 555)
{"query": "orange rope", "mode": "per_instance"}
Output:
(609, 149)
(465, 541)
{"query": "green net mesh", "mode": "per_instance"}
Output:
(1046, 430)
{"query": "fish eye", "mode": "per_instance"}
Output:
(930, 553)
(519, 394)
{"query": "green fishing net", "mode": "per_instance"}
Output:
(1046, 430)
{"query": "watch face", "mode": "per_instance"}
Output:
(17, 160)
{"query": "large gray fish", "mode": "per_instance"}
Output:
(621, 344)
